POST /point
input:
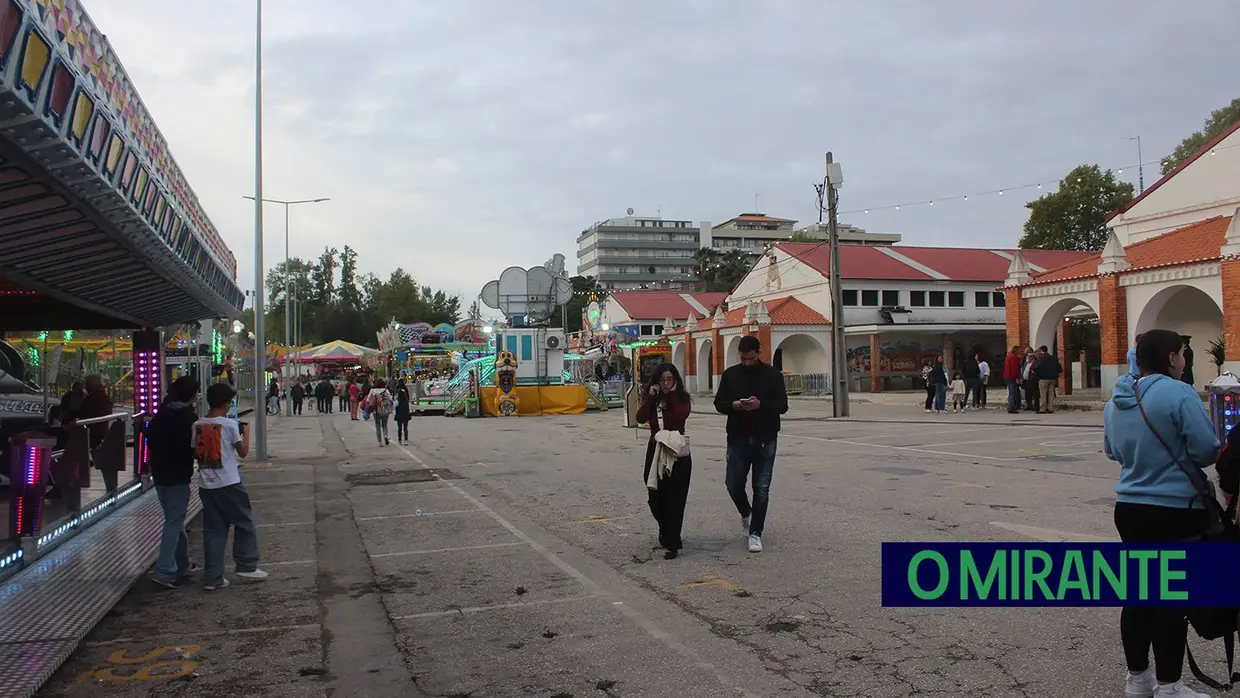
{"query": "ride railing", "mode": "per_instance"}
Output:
(61, 459)
(811, 384)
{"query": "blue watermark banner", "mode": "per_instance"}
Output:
(1061, 574)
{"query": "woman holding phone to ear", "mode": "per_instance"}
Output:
(666, 407)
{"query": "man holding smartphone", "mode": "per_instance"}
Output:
(753, 396)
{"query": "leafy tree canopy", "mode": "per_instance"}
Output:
(1072, 217)
(1219, 121)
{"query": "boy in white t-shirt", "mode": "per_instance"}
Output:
(219, 445)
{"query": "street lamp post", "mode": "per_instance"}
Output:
(260, 345)
(287, 274)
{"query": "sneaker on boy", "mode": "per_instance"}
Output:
(169, 437)
(219, 445)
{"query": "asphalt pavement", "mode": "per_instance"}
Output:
(517, 557)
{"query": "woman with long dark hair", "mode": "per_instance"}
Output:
(1158, 431)
(665, 407)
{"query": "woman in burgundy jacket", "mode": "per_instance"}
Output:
(666, 405)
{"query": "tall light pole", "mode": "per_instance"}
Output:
(829, 189)
(285, 363)
(260, 343)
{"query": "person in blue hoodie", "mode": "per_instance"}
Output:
(1155, 500)
(1132, 357)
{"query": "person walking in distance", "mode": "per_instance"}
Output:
(355, 398)
(1011, 375)
(298, 393)
(379, 404)
(665, 407)
(927, 371)
(753, 396)
(1156, 428)
(402, 416)
(1029, 379)
(938, 376)
(970, 372)
(219, 445)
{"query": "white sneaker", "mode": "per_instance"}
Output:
(256, 576)
(212, 587)
(744, 525)
(927, 411)
(1140, 685)
(755, 544)
(1178, 690)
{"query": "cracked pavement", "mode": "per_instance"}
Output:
(517, 557)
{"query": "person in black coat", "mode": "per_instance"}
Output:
(170, 439)
(753, 396)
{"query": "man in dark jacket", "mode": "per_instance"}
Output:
(972, 376)
(170, 437)
(753, 396)
(1048, 370)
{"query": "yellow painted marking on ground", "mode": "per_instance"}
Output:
(601, 519)
(710, 580)
(159, 664)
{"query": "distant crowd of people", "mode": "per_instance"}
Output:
(363, 398)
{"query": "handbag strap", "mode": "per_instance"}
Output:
(1202, 491)
(1229, 649)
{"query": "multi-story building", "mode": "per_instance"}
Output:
(751, 232)
(636, 251)
(849, 235)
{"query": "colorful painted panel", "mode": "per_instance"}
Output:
(81, 45)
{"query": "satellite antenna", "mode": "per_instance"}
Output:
(629, 211)
(534, 293)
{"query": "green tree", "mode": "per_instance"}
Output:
(583, 288)
(1072, 218)
(1220, 120)
(716, 270)
(349, 294)
(323, 277)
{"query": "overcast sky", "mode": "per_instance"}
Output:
(458, 137)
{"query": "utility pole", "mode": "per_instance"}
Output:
(839, 354)
(260, 318)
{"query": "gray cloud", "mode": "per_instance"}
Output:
(458, 138)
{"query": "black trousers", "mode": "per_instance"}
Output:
(402, 429)
(1141, 627)
(929, 396)
(1031, 395)
(667, 503)
(296, 406)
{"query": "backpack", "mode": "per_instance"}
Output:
(381, 404)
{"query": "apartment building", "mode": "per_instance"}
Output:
(751, 232)
(635, 251)
(849, 235)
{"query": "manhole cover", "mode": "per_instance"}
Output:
(897, 470)
(391, 477)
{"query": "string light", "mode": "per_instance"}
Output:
(1004, 190)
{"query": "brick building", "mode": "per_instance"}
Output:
(1172, 262)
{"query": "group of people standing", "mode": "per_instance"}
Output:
(967, 385)
(753, 396)
(364, 399)
(1036, 374)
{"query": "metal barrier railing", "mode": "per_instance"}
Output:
(36, 464)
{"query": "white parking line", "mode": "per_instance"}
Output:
(386, 493)
(250, 484)
(497, 607)
(984, 441)
(281, 499)
(290, 562)
(418, 515)
(206, 633)
(447, 550)
(631, 613)
(290, 523)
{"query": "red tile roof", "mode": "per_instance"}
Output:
(660, 305)
(1198, 242)
(972, 264)
(783, 311)
(1179, 168)
(856, 262)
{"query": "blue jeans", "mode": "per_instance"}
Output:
(221, 509)
(381, 424)
(173, 560)
(940, 397)
(1013, 396)
(744, 454)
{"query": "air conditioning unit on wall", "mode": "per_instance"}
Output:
(554, 340)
